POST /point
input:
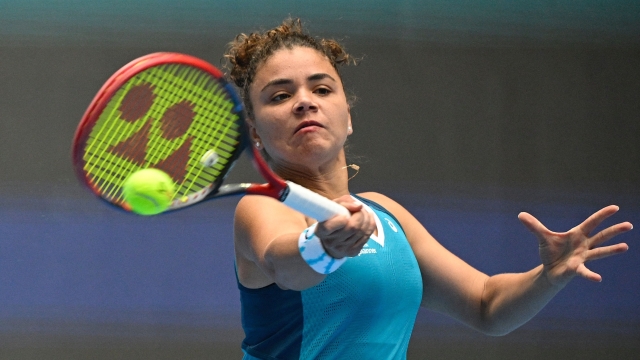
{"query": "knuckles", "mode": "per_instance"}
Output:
(342, 236)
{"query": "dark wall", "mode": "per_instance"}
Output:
(521, 114)
(524, 114)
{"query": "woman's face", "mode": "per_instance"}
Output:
(300, 111)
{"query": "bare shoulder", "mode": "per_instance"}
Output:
(395, 208)
(249, 207)
(264, 213)
(415, 231)
(259, 219)
(377, 197)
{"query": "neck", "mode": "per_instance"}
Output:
(330, 179)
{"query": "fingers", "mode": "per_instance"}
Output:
(588, 274)
(596, 219)
(606, 251)
(610, 232)
(354, 250)
(342, 236)
(350, 203)
(586, 227)
(360, 223)
(534, 225)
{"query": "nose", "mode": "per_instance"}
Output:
(304, 103)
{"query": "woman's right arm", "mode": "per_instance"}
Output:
(266, 236)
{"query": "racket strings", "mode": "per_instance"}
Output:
(218, 130)
(190, 113)
(102, 175)
(137, 134)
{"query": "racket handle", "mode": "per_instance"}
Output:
(312, 204)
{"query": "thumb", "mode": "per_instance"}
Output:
(533, 225)
(350, 203)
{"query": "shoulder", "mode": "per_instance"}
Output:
(260, 218)
(255, 212)
(414, 230)
(384, 201)
(257, 207)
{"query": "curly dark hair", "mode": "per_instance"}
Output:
(247, 52)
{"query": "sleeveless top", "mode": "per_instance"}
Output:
(364, 310)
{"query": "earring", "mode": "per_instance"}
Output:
(258, 144)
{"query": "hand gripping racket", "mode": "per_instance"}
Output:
(176, 113)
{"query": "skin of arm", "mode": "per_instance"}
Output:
(266, 241)
(493, 305)
(266, 245)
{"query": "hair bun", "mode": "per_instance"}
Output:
(246, 52)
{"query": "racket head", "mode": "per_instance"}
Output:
(164, 111)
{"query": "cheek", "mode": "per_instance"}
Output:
(268, 129)
(345, 117)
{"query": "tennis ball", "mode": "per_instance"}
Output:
(148, 191)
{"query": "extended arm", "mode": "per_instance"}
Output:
(499, 304)
(512, 299)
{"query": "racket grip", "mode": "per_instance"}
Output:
(312, 204)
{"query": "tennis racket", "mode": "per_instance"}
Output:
(176, 113)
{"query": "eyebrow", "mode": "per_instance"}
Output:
(314, 77)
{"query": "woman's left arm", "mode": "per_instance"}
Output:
(501, 303)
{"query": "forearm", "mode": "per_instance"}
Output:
(284, 264)
(510, 300)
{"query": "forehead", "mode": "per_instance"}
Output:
(294, 62)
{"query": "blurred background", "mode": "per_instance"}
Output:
(468, 112)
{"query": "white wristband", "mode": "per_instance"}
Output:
(313, 253)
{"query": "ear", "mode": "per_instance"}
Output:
(253, 133)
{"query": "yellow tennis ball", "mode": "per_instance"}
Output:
(148, 191)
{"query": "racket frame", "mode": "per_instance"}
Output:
(291, 194)
(119, 79)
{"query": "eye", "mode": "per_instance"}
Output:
(323, 91)
(280, 97)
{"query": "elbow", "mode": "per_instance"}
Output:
(494, 330)
(491, 324)
(492, 327)
(280, 276)
(289, 275)
(285, 282)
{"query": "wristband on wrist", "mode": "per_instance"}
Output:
(313, 253)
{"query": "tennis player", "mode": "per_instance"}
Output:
(350, 287)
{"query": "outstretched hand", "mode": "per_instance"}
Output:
(564, 254)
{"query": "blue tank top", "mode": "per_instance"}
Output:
(364, 310)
